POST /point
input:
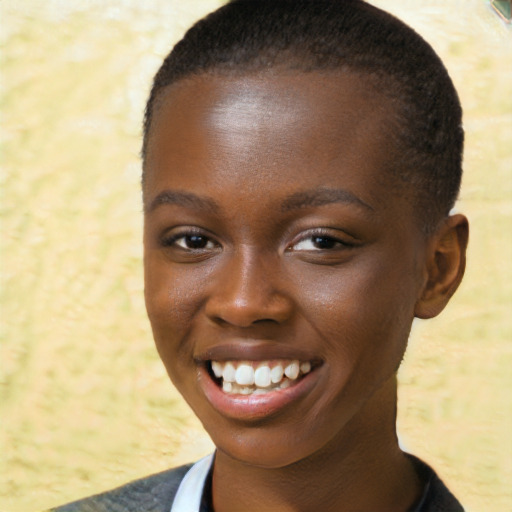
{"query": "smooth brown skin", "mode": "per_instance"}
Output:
(251, 147)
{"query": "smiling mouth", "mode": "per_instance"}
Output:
(257, 377)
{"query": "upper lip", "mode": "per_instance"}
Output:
(254, 351)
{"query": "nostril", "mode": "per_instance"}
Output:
(265, 321)
(248, 313)
(240, 322)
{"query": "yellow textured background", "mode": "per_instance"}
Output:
(85, 403)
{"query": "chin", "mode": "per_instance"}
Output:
(265, 457)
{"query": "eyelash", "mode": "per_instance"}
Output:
(315, 237)
(171, 241)
(334, 242)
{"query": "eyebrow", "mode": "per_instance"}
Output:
(185, 199)
(320, 197)
(305, 199)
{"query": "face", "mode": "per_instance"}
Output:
(281, 267)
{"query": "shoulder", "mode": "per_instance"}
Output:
(437, 497)
(154, 493)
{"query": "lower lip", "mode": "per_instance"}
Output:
(255, 407)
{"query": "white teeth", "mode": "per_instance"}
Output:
(292, 370)
(262, 377)
(285, 384)
(304, 367)
(217, 369)
(245, 378)
(244, 375)
(228, 373)
(276, 374)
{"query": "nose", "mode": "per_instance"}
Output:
(248, 290)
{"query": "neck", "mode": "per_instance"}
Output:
(362, 468)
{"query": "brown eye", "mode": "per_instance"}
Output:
(324, 242)
(190, 242)
(318, 242)
(193, 242)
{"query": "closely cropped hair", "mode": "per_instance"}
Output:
(250, 36)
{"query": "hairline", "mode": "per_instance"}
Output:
(279, 69)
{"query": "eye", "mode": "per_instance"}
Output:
(189, 241)
(194, 242)
(320, 242)
(316, 242)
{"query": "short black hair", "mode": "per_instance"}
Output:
(249, 36)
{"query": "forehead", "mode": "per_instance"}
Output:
(307, 125)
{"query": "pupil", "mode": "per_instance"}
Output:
(196, 241)
(323, 242)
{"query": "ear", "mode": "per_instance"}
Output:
(445, 264)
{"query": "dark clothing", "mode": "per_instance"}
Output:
(156, 493)
(436, 496)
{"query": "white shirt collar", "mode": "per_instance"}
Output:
(190, 492)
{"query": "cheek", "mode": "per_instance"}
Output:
(172, 298)
(363, 309)
(172, 289)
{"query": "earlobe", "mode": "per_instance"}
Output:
(445, 264)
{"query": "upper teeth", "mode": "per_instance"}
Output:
(261, 375)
